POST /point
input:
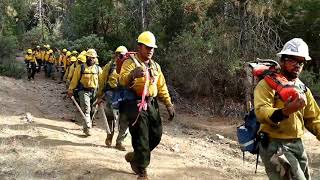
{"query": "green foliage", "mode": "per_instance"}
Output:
(8, 46)
(92, 41)
(8, 65)
(30, 38)
(300, 18)
(85, 43)
(12, 68)
(204, 62)
(311, 80)
(201, 43)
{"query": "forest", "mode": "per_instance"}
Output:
(202, 44)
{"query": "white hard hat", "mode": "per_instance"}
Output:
(296, 47)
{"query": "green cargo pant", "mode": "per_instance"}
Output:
(293, 151)
(146, 132)
(123, 128)
(86, 99)
(121, 122)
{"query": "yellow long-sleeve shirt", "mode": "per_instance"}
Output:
(71, 71)
(43, 53)
(30, 58)
(156, 87)
(66, 62)
(38, 54)
(62, 59)
(89, 77)
(109, 77)
(266, 102)
(51, 59)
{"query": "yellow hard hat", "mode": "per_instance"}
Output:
(48, 46)
(82, 58)
(83, 53)
(50, 51)
(147, 38)
(29, 51)
(68, 53)
(73, 59)
(121, 50)
(45, 46)
(64, 50)
(38, 47)
(74, 52)
(91, 53)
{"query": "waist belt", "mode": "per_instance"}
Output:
(88, 89)
(148, 99)
(292, 140)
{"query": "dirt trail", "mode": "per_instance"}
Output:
(51, 147)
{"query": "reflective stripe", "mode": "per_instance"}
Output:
(247, 143)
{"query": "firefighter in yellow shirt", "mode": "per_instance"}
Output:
(50, 64)
(46, 57)
(31, 63)
(43, 53)
(140, 73)
(283, 123)
(70, 70)
(66, 63)
(109, 89)
(38, 56)
(86, 80)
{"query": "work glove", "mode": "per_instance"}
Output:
(99, 101)
(137, 73)
(294, 105)
(70, 93)
(171, 112)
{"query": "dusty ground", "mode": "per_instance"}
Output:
(52, 147)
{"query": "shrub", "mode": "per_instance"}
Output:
(84, 43)
(8, 45)
(311, 80)
(8, 65)
(12, 69)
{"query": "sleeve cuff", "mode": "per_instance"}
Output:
(278, 116)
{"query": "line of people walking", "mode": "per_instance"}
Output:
(128, 88)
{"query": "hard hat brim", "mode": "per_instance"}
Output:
(151, 45)
(308, 58)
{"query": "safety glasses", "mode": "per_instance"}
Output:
(296, 60)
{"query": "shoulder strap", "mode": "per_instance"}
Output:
(282, 86)
(155, 64)
(135, 60)
(81, 71)
(111, 68)
(97, 69)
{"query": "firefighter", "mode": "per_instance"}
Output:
(283, 121)
(31, 64)
(143, 75)
(108, 87)
(86, 80)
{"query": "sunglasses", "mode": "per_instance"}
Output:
(294, 60)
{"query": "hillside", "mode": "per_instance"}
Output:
(50, 146)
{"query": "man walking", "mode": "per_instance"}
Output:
(144, 77)
(283, 120)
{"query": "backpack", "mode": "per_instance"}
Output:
(82, 68)
(121, 93)
(247, 133)
(268, 70)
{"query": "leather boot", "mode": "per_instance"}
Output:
(120, 147)
(109, 140)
